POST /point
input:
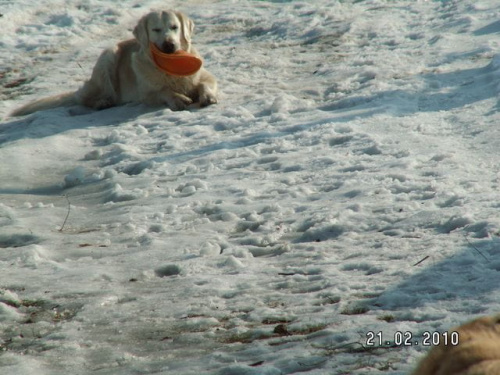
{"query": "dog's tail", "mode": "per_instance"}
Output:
(62, 100)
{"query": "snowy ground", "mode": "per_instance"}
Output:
(346, 183)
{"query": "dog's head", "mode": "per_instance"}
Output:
(168, 30)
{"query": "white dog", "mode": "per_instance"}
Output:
(127, 73)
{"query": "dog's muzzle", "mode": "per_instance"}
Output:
(168, 47)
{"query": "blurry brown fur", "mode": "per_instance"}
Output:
(477, 353)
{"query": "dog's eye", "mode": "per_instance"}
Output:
(174, 27)
(157, 30)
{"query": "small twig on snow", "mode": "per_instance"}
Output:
(67, 215)
(420, 261)
(474, 247)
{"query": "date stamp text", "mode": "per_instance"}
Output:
(407, 338)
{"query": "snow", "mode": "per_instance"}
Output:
(347, 182)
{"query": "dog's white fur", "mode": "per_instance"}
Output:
(127, 72)
(477, 353)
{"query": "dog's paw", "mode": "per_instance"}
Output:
(179, 102)
(103, 102)
(207, 99)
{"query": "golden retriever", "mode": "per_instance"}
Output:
(477, 352)
(127, 72)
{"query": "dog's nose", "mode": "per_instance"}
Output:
(168, 47)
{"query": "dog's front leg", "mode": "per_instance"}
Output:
(176, 101)
(207, 89)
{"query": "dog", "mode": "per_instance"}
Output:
(127, 73)
(477, 352)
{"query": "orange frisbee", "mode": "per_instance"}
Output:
(180, 63)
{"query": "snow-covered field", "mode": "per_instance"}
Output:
(348, 182)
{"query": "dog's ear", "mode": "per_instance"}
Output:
(187, 27)
(141, 31)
